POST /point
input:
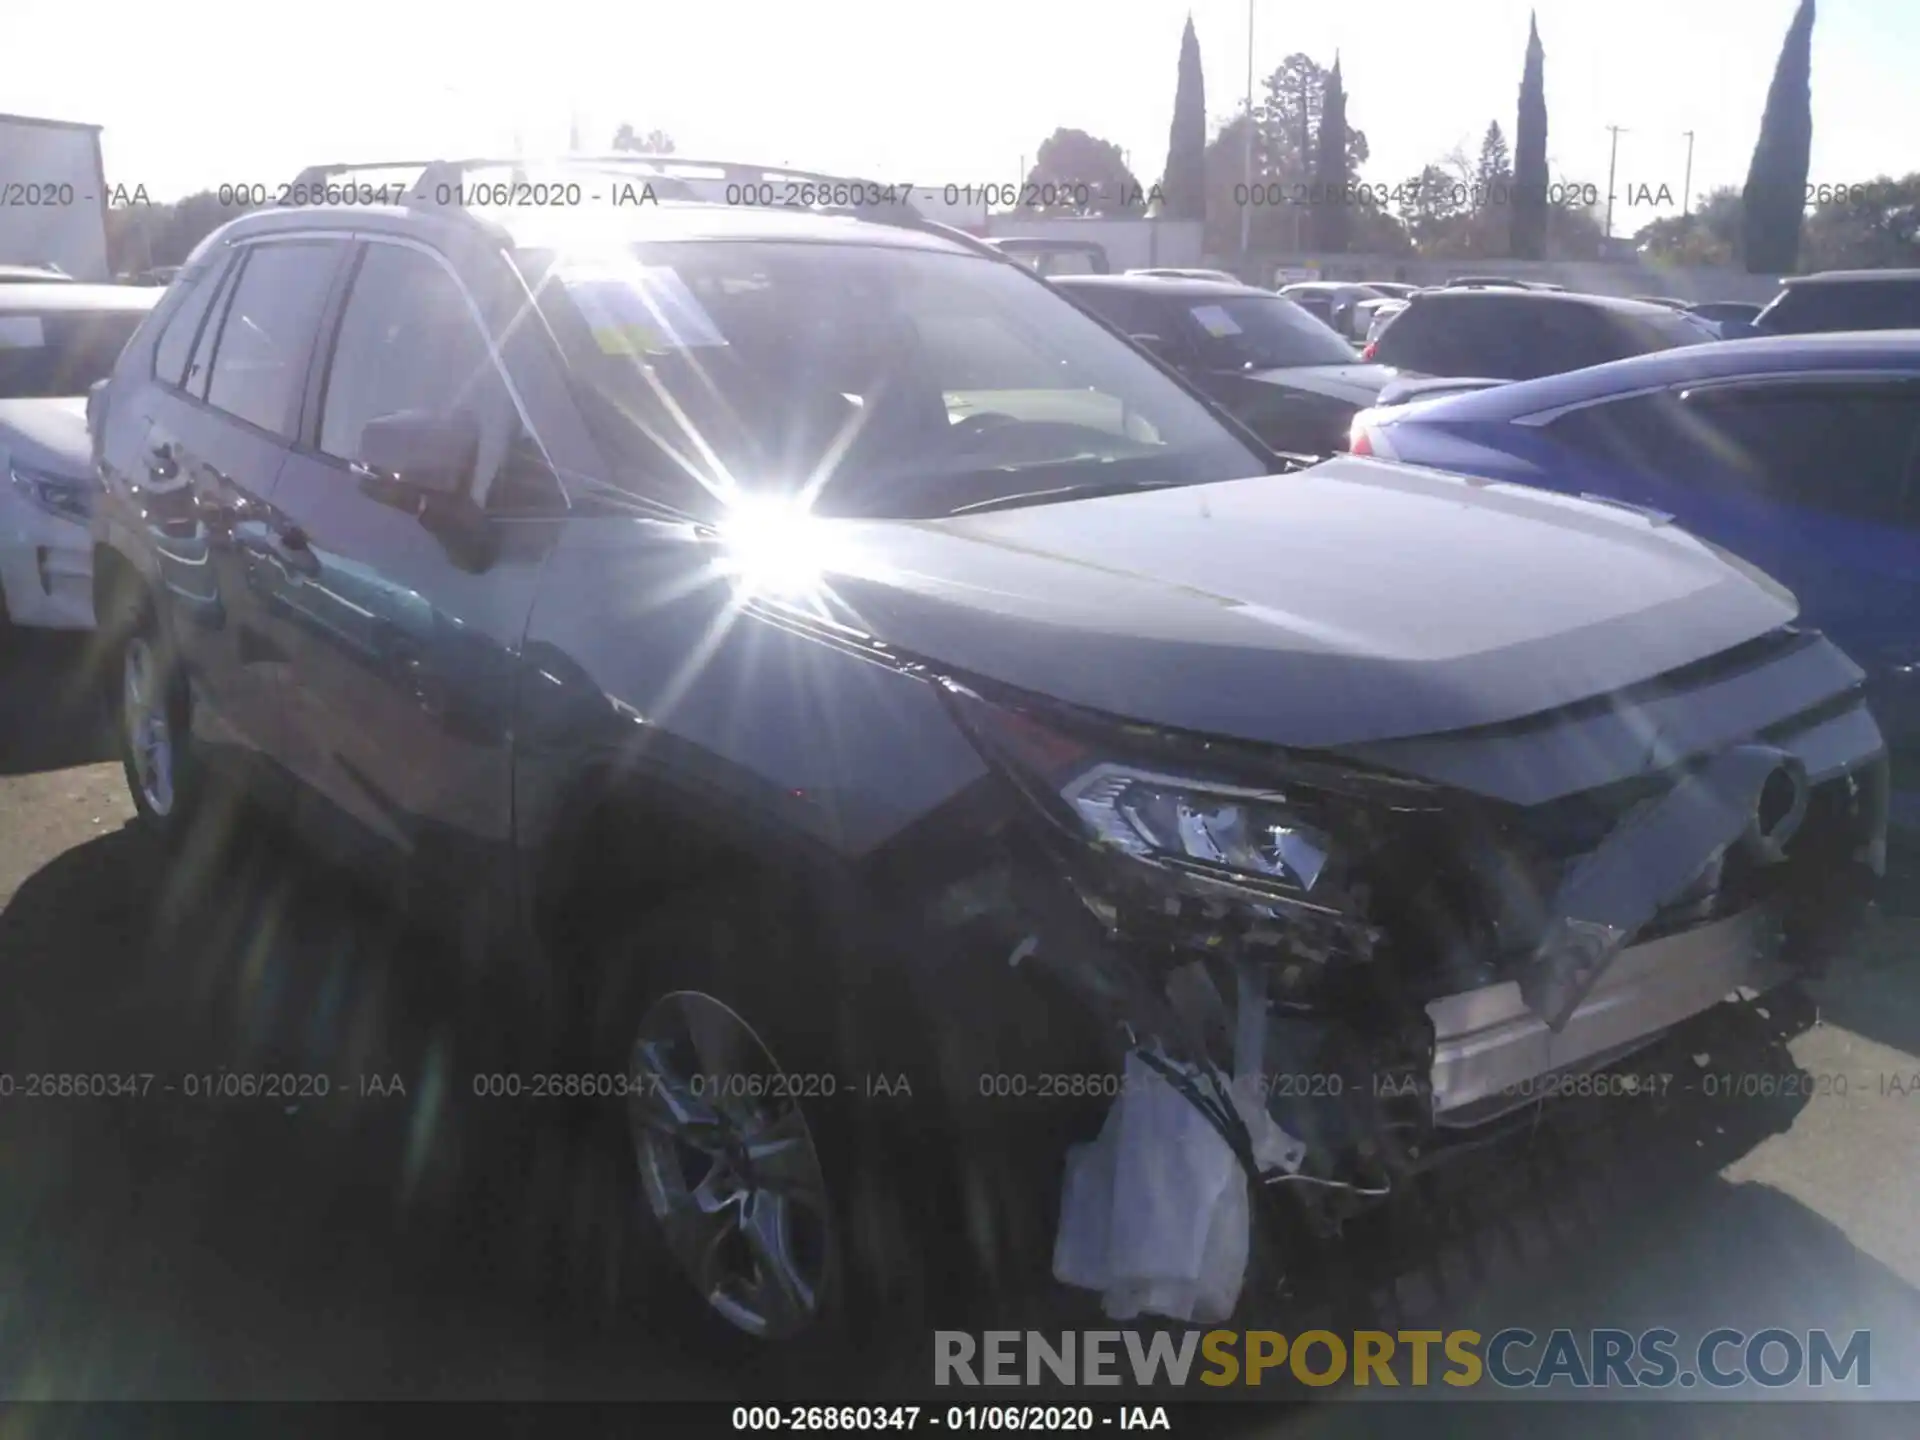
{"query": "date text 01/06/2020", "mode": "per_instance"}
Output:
(909, 1418)
(199, 1085)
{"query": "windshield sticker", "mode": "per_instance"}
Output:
(637, 309)
(21, 332)
(1215, 321)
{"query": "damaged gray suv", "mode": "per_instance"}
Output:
(847, 689)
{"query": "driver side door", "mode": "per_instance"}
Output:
(407, 614)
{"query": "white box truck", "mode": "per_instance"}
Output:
(53, 196)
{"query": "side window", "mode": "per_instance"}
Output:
(408, 341)
(175, 345)
(1846, 449)
(194, 380)
(266, 339)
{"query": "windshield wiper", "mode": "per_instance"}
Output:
(1086, 490)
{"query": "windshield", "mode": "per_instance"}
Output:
(61, 353)
(1260, 332)
(868, 380)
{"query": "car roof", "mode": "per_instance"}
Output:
(540, 228)
(1618, 304)
(42, 299)
(1171, 286)
(1713, 360)
(1851, 277)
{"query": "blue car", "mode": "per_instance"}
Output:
(1798, 453)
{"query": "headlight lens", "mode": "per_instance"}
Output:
(62, 496)
(1165, 816)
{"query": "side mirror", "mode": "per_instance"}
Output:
(422, 452)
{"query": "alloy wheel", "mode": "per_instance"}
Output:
(143, 718)
(729, 1166)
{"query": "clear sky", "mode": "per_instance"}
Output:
(204, 91)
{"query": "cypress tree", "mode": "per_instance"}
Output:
(1527, 229)
(1775, 196)
(1185, 187)
(1329, 191)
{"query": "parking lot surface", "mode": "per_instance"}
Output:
(401, 1237)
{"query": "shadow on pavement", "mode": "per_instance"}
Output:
(399, 1236)
(51, 713)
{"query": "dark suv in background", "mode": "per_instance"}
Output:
(1270, 362)
(1501, 333)
(822, 676)
(1843, 300)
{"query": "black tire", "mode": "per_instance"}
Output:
(830, 1026)
(131, 624)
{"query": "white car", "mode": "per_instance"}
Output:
(55, 342)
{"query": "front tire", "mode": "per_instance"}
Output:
(784, 1201)
(151, 716)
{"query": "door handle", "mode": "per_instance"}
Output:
(293, 552)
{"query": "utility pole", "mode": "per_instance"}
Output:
(1686, 186)
(1246, 158)
(1612, 155)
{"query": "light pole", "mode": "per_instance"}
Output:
(1686, 186)
(1612, 155)
(1246, 156)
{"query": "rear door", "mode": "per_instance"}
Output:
(216, 439)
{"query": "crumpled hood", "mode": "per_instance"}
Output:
(1356, 601)
(1356, 384)
(47, 434)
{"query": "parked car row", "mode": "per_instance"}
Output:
(56, 340)
(822, 647)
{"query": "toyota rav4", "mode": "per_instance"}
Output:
(830, 673)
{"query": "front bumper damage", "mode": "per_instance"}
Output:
(1334, 1051)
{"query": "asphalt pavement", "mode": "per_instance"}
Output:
(402, 1238)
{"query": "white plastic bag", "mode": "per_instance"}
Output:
(1155, 1212)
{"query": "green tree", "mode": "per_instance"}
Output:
(1285, 157)
(1289, 123)
(1185, 185)
(1332, 176)
(1872, 226)
(1775, 195)
(1527, 214)
(1710, 235)
(1493, 172)
(1431, 205)
(1083, 175)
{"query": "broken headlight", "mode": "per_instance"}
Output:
(1153, 816)
(1173, 810)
